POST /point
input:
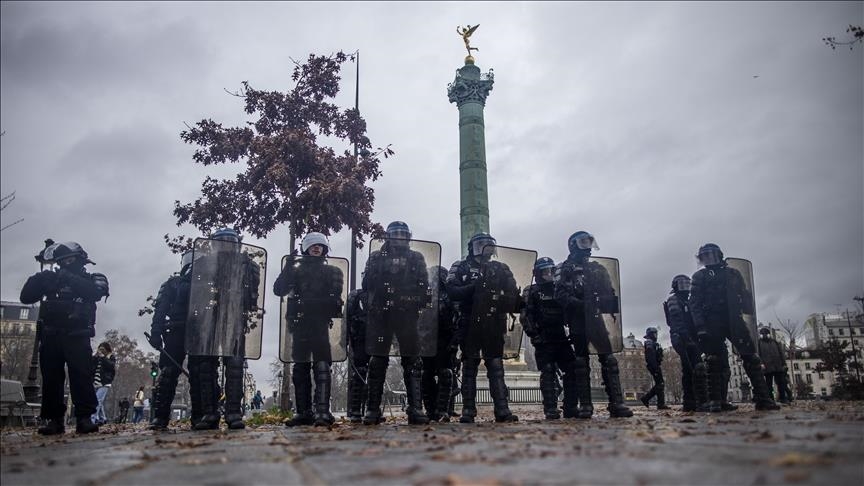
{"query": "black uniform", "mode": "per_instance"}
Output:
(437, 394)
(314, 291)
(357, 356)
(653, 360)
(481, 333)
(67, 319)
(584, 289)
(168, 329)
(771, 353)
(543, 321)
(718, 298)
(395, 269)
(683, 335)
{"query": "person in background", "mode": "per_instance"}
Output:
(104, 367)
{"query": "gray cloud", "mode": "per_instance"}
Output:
(642, 123)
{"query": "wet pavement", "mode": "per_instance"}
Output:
(806, 443)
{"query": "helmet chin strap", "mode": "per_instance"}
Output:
(581, 255)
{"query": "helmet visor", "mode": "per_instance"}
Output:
(399, 234)
(709, 257)
(586, 242)
(483, 247)
(682, 284)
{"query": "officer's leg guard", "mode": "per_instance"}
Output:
(547, 389)
(166, 386)
(612, 383)
(358, 391)
(498, 390)
(323, 417)
(582, 376)
(375, 382)
(234, 392)
(444, 393)
(203, 374)
(412, 372)
(469, 390)
(302, 380)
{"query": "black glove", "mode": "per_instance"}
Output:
(50, 280)
(155, 338)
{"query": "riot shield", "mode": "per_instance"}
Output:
(312, 325)
(742, 302)
(403, 297)
(494, 329)
(226, 299)
(602, 297)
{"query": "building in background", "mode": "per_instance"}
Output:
(17, 334)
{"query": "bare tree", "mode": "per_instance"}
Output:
(5, 201)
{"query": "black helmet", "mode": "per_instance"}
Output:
(480, 241)
(59, 251)
(681, 283)
(398, 230)
(226, 234)
(581, 241)
(543, 263)
(764, 331)
(709, 254)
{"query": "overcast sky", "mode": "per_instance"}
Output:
(655, 126)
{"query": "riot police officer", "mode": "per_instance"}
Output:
(396, 279)
(683, 336)
(481, 332)
(584, 289)
(204, 369)
(718, 299)
(67, 319)
(168, 334)
(438, 369)
(543, 321)
(314, 292)
(654, 360)
(357, 356)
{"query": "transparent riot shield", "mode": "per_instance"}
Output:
(741, 301)
(494, 329)
(603, 330)
(402, 297)
(226, 299)
(313, 292)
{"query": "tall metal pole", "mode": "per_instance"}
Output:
(353, 283)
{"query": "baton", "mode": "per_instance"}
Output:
(165, 353)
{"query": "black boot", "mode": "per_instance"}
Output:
(375, 382)
(412, 373)
(430, 390)
(52, 427)
(725, 405)
(234, 393)
(582, 377)
(716, 382)
(469, 391)
(571, 392)
(356, 394)
(700, 389)
(612, 383)
(166, 386)
(498, 390)
(548, 391)
(444, 394)
(301, 377)
(753, 368)
(202, 376)
(323, 417)
(83, 425)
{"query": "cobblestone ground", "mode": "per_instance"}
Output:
(806, 443)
